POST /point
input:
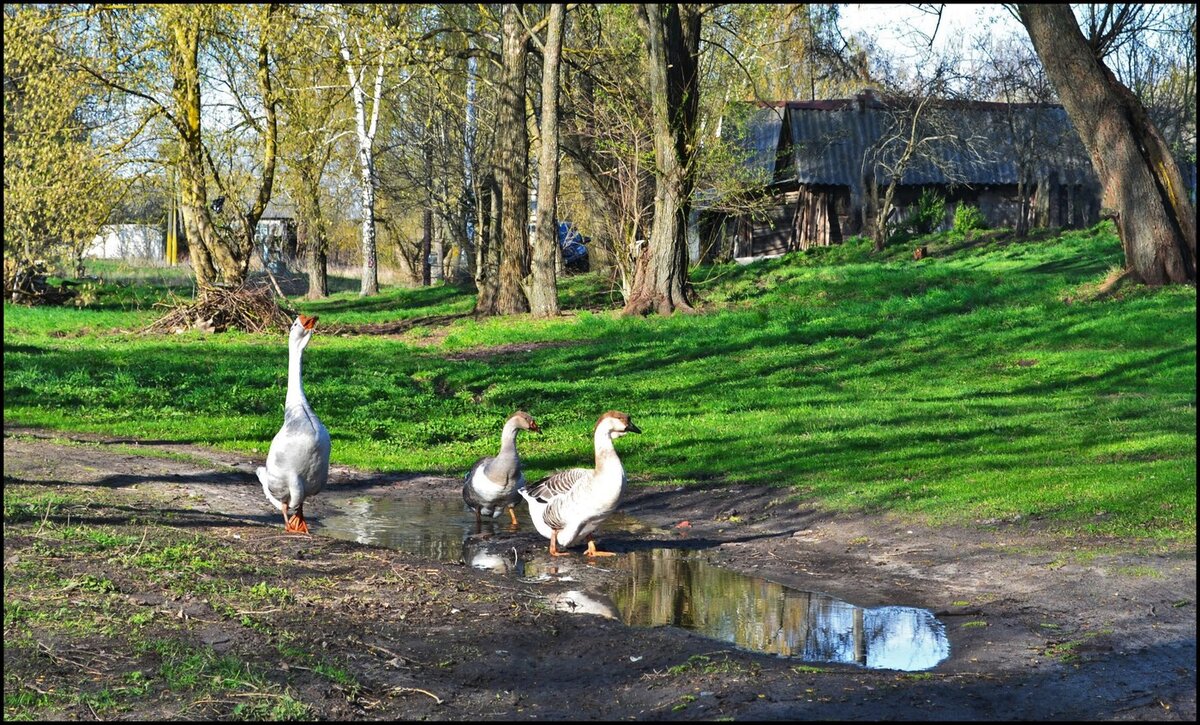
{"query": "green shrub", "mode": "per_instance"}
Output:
(967, 217)
(929, 214)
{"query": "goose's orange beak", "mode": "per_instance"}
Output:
(308, 322)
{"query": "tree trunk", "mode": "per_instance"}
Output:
(427, 216)
(1140, 181)
(366, 153)
(1022, 202)
(543, 287)
(881, 219)
(426, 245)
(487, 262)
(318, 270)
(672, 42)
(513, 140)
(370, 274)
(210, 258)
(216, 254)
(314, 241)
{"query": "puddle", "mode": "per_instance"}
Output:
(680, 588)
(435, 529)
(656, 587)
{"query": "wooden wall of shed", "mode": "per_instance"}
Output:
(1072, 206)
(817, 222)
(1052, 204)
(796, 219)
(1000, 206)
(773, 232)
(808, 216)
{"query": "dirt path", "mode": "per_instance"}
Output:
(1038, 629)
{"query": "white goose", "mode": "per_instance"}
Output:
(298, 461)
(566, 507)
(491, 484)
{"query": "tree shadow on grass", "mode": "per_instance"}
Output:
(397, 327)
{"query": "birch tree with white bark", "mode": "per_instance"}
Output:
(364, 68)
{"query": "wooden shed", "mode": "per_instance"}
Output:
(825, 167)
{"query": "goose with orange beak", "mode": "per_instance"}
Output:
(568, 506)
(298, 460)
(491, 485)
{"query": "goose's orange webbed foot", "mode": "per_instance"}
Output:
(296, 525)
(591, 550)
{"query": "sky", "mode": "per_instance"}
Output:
(897, 27)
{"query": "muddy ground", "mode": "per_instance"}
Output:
(1040, 628)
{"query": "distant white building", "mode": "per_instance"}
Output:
(128, 241)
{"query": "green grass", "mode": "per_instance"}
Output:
(51, 597)
(709, 666)
(978, 385)
(204, 671)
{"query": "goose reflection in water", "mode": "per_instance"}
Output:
(577, 602)
(659, 587)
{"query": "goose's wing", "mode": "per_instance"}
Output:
(468, 489)
(293, 449)
(475, 467)
(557, 484)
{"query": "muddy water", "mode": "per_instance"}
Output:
(654, 587)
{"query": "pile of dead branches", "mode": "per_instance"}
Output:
(26, 283)
(250, 308)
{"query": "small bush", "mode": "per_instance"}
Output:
(968, 218)
(929, 214)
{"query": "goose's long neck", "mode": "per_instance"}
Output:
(606, 453)
(295, 391)
(508, 442)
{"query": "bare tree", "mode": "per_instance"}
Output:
(1143, 190)
(606, 138)
(1152, 50)
(922, 128)
(1011, 73)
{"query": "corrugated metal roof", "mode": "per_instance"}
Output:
(759, 136)
(835, 142)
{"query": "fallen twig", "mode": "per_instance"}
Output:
(59, 659)
(205, 701)
(145, 530)
(402, 690)
(384, 650)
(46, 516)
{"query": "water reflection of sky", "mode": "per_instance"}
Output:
(679, 588)
(661, 587)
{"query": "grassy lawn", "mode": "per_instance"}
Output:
(975, 385)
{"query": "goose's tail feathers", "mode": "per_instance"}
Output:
(265, 479)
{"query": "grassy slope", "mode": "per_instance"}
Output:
(961, 387)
